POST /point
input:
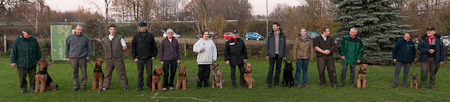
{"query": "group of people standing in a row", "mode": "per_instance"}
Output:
(26, 52)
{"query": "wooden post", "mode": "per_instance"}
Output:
(6, 41)
(185, 48)
(93, 45)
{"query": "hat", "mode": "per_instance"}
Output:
(142, 24)
(430, 28)
(28, 30)
(235, 31)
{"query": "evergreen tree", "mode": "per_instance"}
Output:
(377, 25)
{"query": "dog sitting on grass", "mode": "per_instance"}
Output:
(98, 74)
(156, 78)
(249, 81)
(182, 82)
(288, 77)
(362, 81)
(217, 77)
(43, 78)
(414, 81)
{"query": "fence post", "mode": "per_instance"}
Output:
(6, 45)
(185, 48)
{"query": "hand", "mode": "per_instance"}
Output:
(359, 61)
(284, 58)
(440, 63)
(203, 49)
(295, 61)
(153, 58)
(227, 62)
(87, 58)
(395, 60)
(135, 60)
(412, 63)
(245, 60)
(178, 61)
(267, 57)
(213, 61)
(162, 62)
(431, 51)
(311, 60)
(13, 65)
(342, 57)
(68, 59)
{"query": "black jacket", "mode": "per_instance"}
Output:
(270, 45)
(235, 52)
(424, 49)
(404, 51)
(143, 48)
(169, 50)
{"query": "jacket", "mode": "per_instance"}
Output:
(352, 49)
(112, 48)
(329, 44)
(270, 45)
(207, 56)
(143, 48)
(235, 52)
(424, 49)
(25, 52)
(303, 49)
(169, 50)
(404, 51)
(78, 46)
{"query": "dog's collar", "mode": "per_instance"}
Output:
(245, 71)
(43, 69)
(182, 74)
(98, 68)
(154, 73)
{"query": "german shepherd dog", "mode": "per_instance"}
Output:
(288, 77)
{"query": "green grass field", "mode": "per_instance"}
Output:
(379, 87)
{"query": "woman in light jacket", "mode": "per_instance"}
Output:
(207, 55)
(303, 53)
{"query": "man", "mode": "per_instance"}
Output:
(324, 47)
(144, 52)
(275, 52)
(25, 53)
(236, 54)
(351, 51)
(78, 51)
(114, 45)
(403, 53)
(170, 58)
(431, 55)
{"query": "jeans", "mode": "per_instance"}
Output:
(302, 68)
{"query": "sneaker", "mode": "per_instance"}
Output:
(394, 86)
(352, 84)
(138, 89)
(84, 88)
(32, 90)
(404, 86)
(268, 86)
(75, 89)
(307, 85)
(234, 87)
(341, 84)
(23, 90)
(336, 87)
(432, 87)
(103, 89)
(299, 86)
(126, 89)
(164, 89)
(423, 87)
(199, 87)
(171, 88)
(323, 85)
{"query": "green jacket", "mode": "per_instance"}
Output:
(25, 52)
(352, 49)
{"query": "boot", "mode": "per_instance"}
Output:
(351, 83)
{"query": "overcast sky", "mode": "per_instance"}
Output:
(259, 6)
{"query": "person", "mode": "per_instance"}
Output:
(170, 58)
(144, 51)
(403, 54)
(351, 51)
(207, 55)
(324, 46)
(25, 53)
(235, 53)
(114, 45)
(78, 51)
(303, 52)
(276, 51)
(431, 57)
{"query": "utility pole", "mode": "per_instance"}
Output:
(37, 16)
(267, 21)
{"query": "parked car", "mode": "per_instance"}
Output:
(228, 35)
(174, 34)
(253, 35)
(213, 34)
(312, 35)
(446, 40)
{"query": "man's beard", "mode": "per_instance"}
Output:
(429, 34)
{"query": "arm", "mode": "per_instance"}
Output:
(161, 50)
(341, 48)
(178, 50)
(197, 48)
(266, 50)
(294, 49)
(285, 48)
(124, 44)
(360, 50)
(225, 52)
(312, 51)
(333, 45)
(414, 51)
(214, 51)
(13, 56)
(67, 47)
(133, 48)
(244, 50)
(89, 47)
(38, 50)
(155, 49)
(442, 50)
(316, 46)
(421, 47)
(394, 50)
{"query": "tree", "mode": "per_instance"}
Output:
(377, 25)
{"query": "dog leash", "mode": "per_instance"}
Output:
(89, 61)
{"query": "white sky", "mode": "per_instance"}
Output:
(259, 6)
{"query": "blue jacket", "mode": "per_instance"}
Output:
(424, 49)
(404, 51)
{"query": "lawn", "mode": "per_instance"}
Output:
(379, 87)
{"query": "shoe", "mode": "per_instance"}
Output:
(126, 89)
(352, 84)
(199, 87)
(336, 87)
(268, 86)
(164, 89)
(138, 89)
(234, 87)
(277, 85)
(299, 86)
(206, 86)
(75, 89)
(404, 86)
(23, 90)
(307, 85)
(171, 88)
(103, 89)
(242, 86)
(342, 83)
(149, 89)
(394, 86)
(84, 88)
(32, 91)
(423, 87)
(323, 85)
(432, 87)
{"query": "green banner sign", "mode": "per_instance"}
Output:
(59, 34)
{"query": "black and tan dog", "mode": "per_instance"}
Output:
(288, 77)
(43, 78)
(182, 82)
(217, 77)
(362, 81)
(98, 74)
(156, 78)
(414, 81)
(249, 81)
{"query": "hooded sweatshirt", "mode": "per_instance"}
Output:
(207, 56)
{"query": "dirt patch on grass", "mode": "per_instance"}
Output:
(192, 78)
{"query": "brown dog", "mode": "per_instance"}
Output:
(362, 77)
(217, 77)
(182, 82)
(43, 78)
(414, 81)
(98, 74)
(156, 78)
(249, 81)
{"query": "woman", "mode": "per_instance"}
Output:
(207, 54)
(303, 53)
(403, 54)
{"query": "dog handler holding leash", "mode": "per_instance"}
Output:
(351, 51)
(236, 54)
(207, 54)
(403, 53)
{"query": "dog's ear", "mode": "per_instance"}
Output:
(285, 62)
(217, 64)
